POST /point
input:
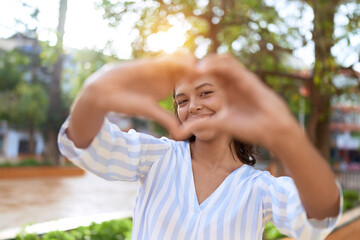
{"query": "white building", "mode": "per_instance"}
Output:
(14, 143)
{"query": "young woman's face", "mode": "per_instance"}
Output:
(199, 99)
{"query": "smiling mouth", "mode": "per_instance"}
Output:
(199, 117)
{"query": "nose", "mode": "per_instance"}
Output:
(195, 106)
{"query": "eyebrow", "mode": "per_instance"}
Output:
(202, 85)
(198, 87)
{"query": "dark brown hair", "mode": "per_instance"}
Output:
(244, 151)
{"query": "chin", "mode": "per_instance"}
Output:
(206, 135)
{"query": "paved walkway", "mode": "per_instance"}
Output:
(24, 201)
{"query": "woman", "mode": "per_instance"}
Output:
(201, 189)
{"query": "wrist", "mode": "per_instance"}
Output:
(284, 136)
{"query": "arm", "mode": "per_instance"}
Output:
(133, 88)
(311, 173)
(257, 115)
(85, 121)
(114, 154)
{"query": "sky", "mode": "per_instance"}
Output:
(85, 28)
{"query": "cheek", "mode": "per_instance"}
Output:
(216, 104)
(182, 113)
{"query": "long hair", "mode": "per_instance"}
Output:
(244, 151)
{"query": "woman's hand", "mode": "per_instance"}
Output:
(255, 113)
(136, 88)
(133, 88)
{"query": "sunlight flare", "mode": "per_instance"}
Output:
(168, 41)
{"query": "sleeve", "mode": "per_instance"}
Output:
(282, 206)
(114, 154)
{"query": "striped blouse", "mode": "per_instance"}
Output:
(166, 204)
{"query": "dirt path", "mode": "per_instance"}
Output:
(24, 201)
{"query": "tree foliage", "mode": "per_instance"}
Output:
(30, 106)
(23, 102)
(260, 35)
(85, 62)
(251, 30)
(11, 63)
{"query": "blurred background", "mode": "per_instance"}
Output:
(306, 50)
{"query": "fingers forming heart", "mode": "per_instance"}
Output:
(249, 101)
(252, 108)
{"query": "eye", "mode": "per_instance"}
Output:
(205, 93)
(181, 102)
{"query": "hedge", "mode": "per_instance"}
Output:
(110, 230)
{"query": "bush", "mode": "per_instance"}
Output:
(28, 163)
(25, 163)
(351, 199)
(111, 230)
(6, 164)
(57, 235)
(271, 232)
(29, 236)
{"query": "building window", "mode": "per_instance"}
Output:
(24, 146)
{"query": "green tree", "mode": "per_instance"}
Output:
(11, 63)
(23, 103)
(85, 62)
(46, 67)
(29, 109)
(250, 30)
(10, 76)
(23, 77)
(55, 117)
(321, 84)
(254, 32)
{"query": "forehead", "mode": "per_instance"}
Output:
(188, 85)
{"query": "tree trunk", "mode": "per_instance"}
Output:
(323, 135)
(31, 139)
(52, 152)
(319, 121)
(321, 86)
(213, 31)
(314, 111)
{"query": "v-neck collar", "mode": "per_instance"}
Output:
(192, 190)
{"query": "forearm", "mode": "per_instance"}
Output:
(86, 119)
(99, 96)
(311, 173)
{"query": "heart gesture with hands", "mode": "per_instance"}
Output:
(254, 113)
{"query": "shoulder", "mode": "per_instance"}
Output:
(178, 149)
(264, 181)
(134, 137)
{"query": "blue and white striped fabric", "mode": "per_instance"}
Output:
(167, 206)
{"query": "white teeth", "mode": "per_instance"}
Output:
(202, 117)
